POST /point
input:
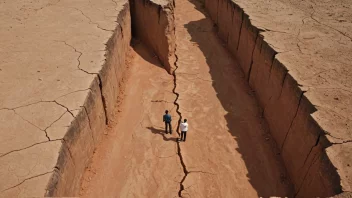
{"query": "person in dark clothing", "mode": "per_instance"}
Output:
(167, 119)
(184, 129)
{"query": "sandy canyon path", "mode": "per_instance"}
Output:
(228, 152)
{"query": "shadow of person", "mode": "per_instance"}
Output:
(162, 133)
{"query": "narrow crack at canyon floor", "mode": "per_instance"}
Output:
(266, 99)
(139, 143)
(178, 126)
(219, 157)
(223, 115)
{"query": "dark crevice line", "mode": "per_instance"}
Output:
(282, 83)
(310, 151)
(46, 133)
(90, 20)
(343, 142)
(239, 34)
(179, 153)
(252, 58)
(272, 65)
(103, 100)
(159, 13)
(182, 187)
(27, 180)
(293, 119)
(263, 112)
(99, 78)
(251, 65)
(175, 102)
(26, 105)
(80, 90)
(68, 110)
(305, 176)
(3, 155)
(185, 171)
(121, 29)
(326, 25)
(269, 80)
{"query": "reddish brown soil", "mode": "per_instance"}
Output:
(294, 56)
(265, 85)
(136, 158)
(229, 141)
(229, 151)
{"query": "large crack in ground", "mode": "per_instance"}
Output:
(26, 179)
(91, 73)
(185, 171)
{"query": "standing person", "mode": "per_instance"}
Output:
(184, 129)
(167, 119)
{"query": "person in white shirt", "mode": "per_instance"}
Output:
(184, 129)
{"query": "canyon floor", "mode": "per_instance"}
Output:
(228, 152)
(265, 86)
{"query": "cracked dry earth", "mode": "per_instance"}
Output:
(228, 153)
(137, 158)
(46, 69)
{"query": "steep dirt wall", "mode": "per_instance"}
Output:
(87, 128)
(286, 109)
(153, 24)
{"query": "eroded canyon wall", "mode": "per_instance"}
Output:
(299, 137)
(153, 24)
(86, 131)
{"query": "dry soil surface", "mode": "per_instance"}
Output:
(314, 42)
(136, 158)
(49, 54)
(228, 152)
